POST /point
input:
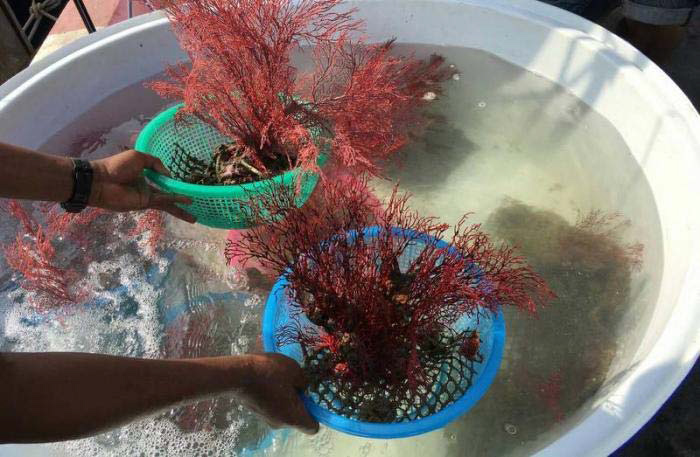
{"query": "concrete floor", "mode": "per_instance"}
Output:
(673, 432)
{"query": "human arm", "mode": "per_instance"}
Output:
(57, 396)
(118, 184)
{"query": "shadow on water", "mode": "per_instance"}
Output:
(432, 157)
(556, 362)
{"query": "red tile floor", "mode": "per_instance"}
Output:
(69, 25)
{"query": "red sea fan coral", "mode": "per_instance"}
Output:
(33, 256)
(33, 259)
(596, 235)
(72, 226)
(371, 101)
(242, 81)
(380, 325)
(337, 178)
(152, 223)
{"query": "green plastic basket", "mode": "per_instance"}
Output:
(214, 206)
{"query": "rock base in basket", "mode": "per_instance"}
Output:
(228, 167)
(443, 382)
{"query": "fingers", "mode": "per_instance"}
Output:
(276, 397)
(294, 414)
(154, 164)
(180, 214)
(289, 413)
(167, 203)
(159, 199)
(303, 420)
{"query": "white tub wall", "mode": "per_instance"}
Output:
(653, 116)
(84, 82)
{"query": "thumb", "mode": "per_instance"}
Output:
(303, 419)
(153, 163)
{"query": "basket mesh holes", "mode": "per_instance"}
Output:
(200, 140)
(450, 380)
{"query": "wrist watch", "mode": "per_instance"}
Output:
(82, 185)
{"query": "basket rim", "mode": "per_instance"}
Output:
(405, 429)
(203, 190)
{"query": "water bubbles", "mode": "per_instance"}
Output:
(510, 429)
(252, 302)
(429, 96)
(456, 76)
(365, 449)
(157, 436)
(481, 105)
(235, 278)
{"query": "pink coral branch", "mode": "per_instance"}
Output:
(365, 100)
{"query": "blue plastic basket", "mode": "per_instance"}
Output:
(491, 328)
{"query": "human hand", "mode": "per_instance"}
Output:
(272, 390)
(118, 185)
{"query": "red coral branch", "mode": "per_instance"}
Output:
(379, 322)
(242, 81)
(34, 261)
(338, 178)
(33, 253)
(151, 222)
(71, 225)
(33, 256)
(603, 231)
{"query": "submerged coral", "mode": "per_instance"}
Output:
(52, 250)
(383, 319)
(592, 269)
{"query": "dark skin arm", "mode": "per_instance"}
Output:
(60, 396)
(118, 184)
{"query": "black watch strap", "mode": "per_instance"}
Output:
(82, 185)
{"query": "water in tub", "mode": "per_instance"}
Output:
(536, 166)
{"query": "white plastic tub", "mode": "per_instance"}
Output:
(656, 120)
